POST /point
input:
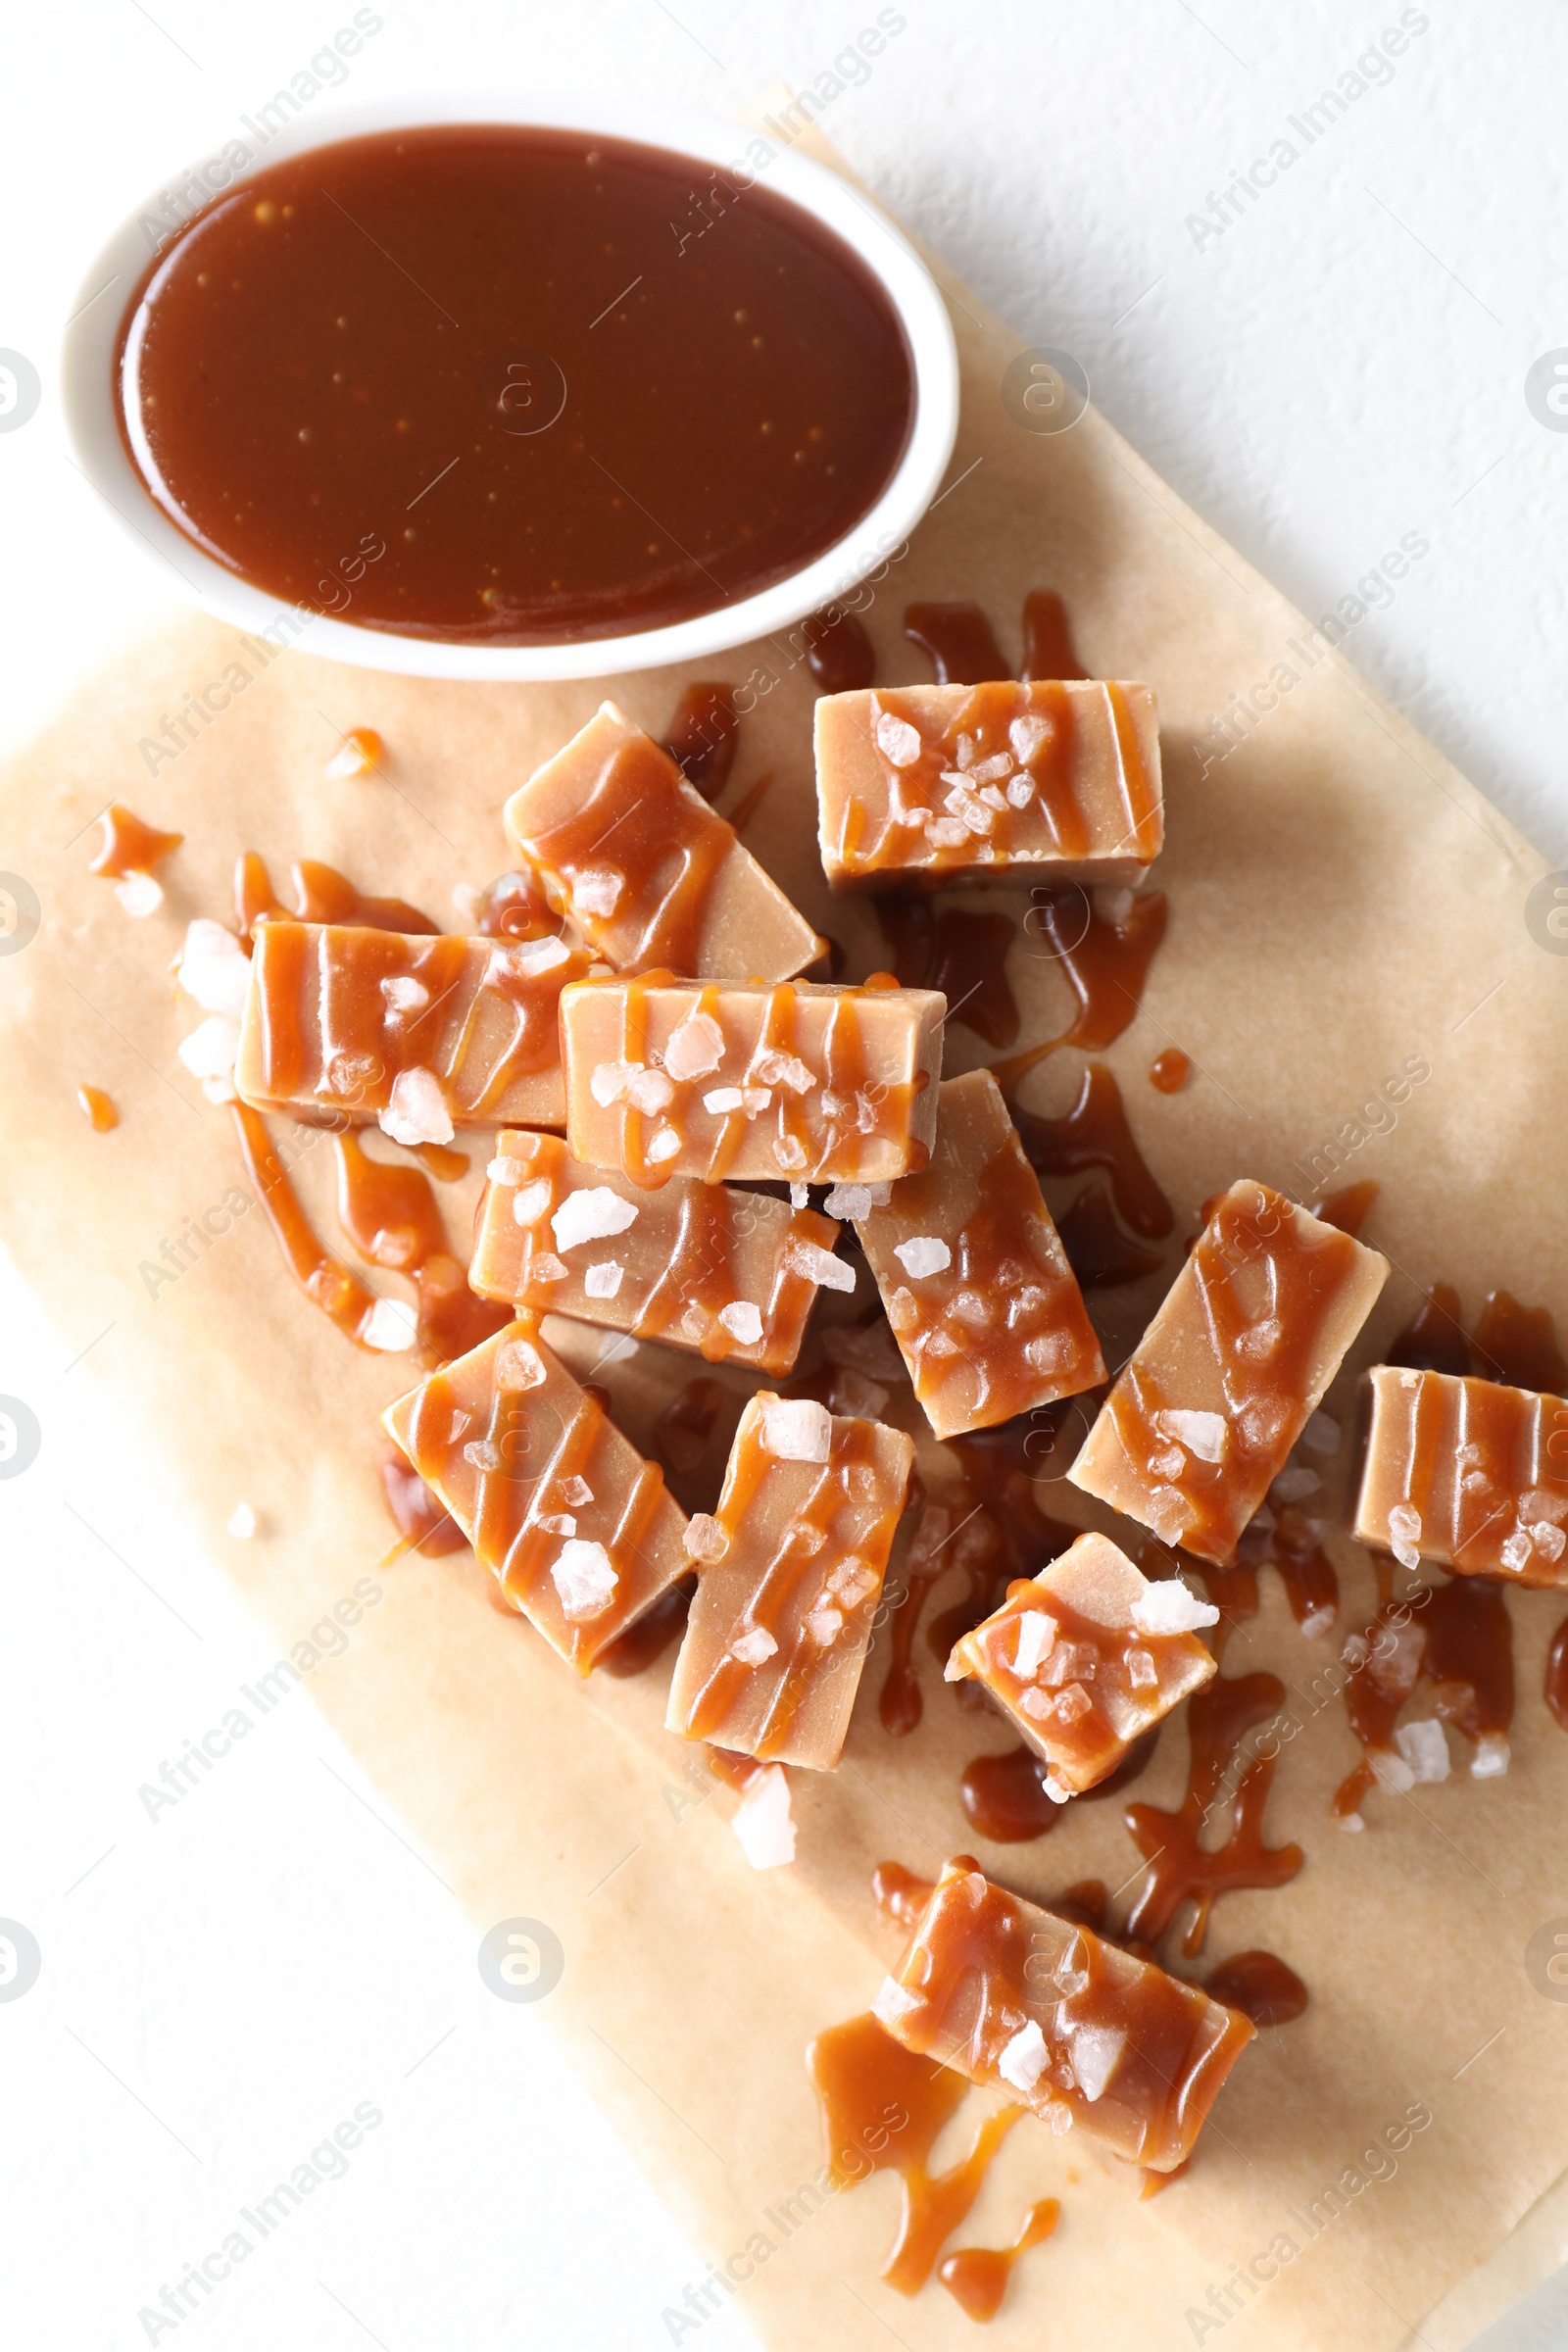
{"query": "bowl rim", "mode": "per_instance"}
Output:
(91, 404)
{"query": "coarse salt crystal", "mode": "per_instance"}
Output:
(417, 1112)
(1050, 1352)
(591, 1213)
(576, 1492)
(547, 1267)
(923, 1255)
(897, 741)
(695, 1048)
(903, 1309)
(242, 1522)
(705, 1539)
(1318, 1621)
(1390, 1772)
(796, 1429)
(520, 1365)
(1492, 1757)
(1095, 2052)
(1321, 1434)
(214, 968)
(584, 1579)
(992, 798)
(800, 1196)
(1424, 1748)
(992, 770)
(530, 1200)
(772, 1068)
(1036, 1633)
(1201, 1434)
(722, 1099)
(1072, 1702)
(1407, 1554)
(481, 1455)
(139, 894)
(390, 1327)
(1021, 792)
(789, 1151)
(1141, 1672)
(762, 1823)
(815, 1264)
(211, 1047)
(852, 1392)
(1353, 1822)
(1405, 1523)
(755, 1098)
(648, 1091)
(824, 1623)
(1295, 1483)
(754, 1648)
(596, 891)
(664, 1143)
(1547, 1539)
(969, 811)
(608, 1081)
(1027, 734)
(558, 1523)
(1024, 2059)
(604, 1280)
(1171, 1607)
(404, 996)
(852, 1200)
(743, 1321)
(526, 958)
(945, 833)
(1515, 1553)
(893, 2002)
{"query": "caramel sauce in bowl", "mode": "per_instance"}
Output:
(569, 548)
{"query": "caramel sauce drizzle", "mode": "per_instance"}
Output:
(960, 954)
(325, 896)
(128, 846)
(1104, 962)
(1098, 1250)
(1171, 1071)
(1265, 1392)
(1291, 1547)
(684, 1430)
(958, 641)
(342, 1297)
(649, 1636)
(1556, 1678)
(1347, 1208)
(1095, 1134)
(1261, 1985)
(1434, 1341)
(1518, 1345)
(701, 738)
(1048, 648)
(420, 1517)
(98, 1108)
(509, 907)
(1180, 1868)
(976, 2277)
(1004, 1796)
(900, 1702)
(1454, 1641)
(668, 849)
(392, 1217)
(837, 652)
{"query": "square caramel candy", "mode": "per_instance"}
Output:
(1086, 1657)
(1222, 1383)
(732, 1274)
(983, 1304)
(579, 1532)
(645, 869)
(800, 1082)
(421, 1034)
(1467, 1474)
(789, 1575)
(1089, 2038)
(1049, 782)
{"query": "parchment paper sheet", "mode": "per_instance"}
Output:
(1342, 901)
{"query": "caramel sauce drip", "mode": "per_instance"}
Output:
(324, 895)
(1518, 1345)
(1048, 648)
(1095, 1134)
(1105, 963)
(666, 851)
(1454, 1638)
(1434, 1341)
(126, 846)
(649, 1636)
(341, 1297)
(1171, 1071)
(883, 2110)
(509, 907)
(1009, 1538)
(976, 2277)
(684, 1430)
(899, 1705)
(963, 955)
(1098, 1250)
(749, 801)
(98, 1108)
(1347, 1208)
(420, 1517)
(1260, 1986)
(899, 1896)
(1304, 1568)
(1556, 1682)
(1180, 1868)
(1252, 1233)
(1004, 1796)
(701, 738)
(444, 1164)
(837, 652)
(391, 1216)
(957, 640)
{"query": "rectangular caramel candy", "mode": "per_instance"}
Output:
(1086, 1657)
(732, 1274)
(1049, 782)
(1222, 1383)
(1466, 1472)
(643, 867)
(800, 1081)
(422, 1034)
(983, 1304)
(1088, 2036)
(789, 1573)
(579, 1532)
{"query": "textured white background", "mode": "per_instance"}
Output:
(1345, 363)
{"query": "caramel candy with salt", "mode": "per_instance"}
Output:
(424, 1033)
(1468, 1474)
(983, 1304)
(732, 1274)
(799, 1082)
(1087, 1657)
(1222, 1383)
(790, 1572)
(1050, 782)
(579, 1532)
(1089, 2038)
(645, 869)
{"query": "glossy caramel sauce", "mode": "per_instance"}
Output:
(341, 1297)
(1260, 1986)
(1556, 1678)
(1518, 1345)
(1104, 962)
(1048, 647)
(323, 896)
(837, 652)
(1434, 1341)
(701, 738)
(1004, 1796)
(1098, 1250)
(1181, 1868)
(420, 1517)
(1095, 1134)
(1454, 1641)
(512, 907)
(128, 846)
(976, 2277)
(647, 1639)
(495, 383)
(1291, 1547)
(98, 1108)
(1171, 1071)
(1349, 1209)
(960, 953)
(958, 641)
(391, 1216)
(684, 1431)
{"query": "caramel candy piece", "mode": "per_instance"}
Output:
(644, 867)
(1086, 1657)
(1224, 1380)
(983, 1304)
(1080, 2031)
(1049, 782)
(424, 1034)
(579, 1532)
(732, 1274)
(668, 1078)
(1467, 1474)
(790, 1571)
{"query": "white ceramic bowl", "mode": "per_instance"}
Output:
(89, 392)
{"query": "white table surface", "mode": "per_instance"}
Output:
(1345, 363)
